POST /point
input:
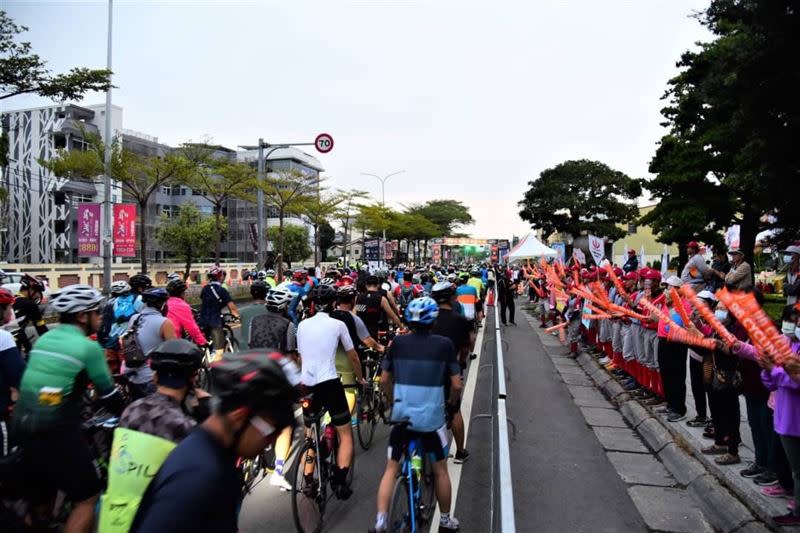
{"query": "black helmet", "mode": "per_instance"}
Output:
(345, 293)
(323, 294)
(259, 289)
(155, 297)
(31, 283)
(176, 356)
(262, 382)
(442, 292)
(140, 281)
(176, 287)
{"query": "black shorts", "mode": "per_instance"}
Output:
(330, 395)
(478, 307)
(434, 443)
(59, 460)
(217, 337)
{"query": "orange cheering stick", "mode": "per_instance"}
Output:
(707, 315)
(615, 280)
(677, 304)
(551, 329)
(759, 326)
(680, 335)
(644, 302)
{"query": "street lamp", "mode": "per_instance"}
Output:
(383, 203)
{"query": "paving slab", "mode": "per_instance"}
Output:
(576, 379)
(619, 439)
(640, 469)
(597, 416)
(578, 371)
(587, 397)
(667, 509)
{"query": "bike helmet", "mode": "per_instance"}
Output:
(155, 297)
(323, 294)
(451, 278)
(299, 275)
(176, 287)
(259, 382)
(278, 299)
(442, 292)
(215, 273)
(118, 288)
(259, 289)
(6, 298)
(475, 273)
(422, 310)
(175, 356)
(31, 283)
(270, 273)
(346, 293)
(327, 281)
(76, 298)
(174, 276)
(346, 280)
(261, 275)
(140, 281)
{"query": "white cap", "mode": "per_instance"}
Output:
(707, 295)
(674, 281)
(793, 249)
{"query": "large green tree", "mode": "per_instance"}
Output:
(320, 209)
(295, 242)
(190, 235)
(735, 101)
(447, 215)
(581, 196)
(347, 213)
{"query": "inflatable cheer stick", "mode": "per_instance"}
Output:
(707, 315)
(680, 335)
(616, 281)
(677, 304)
(759, 326)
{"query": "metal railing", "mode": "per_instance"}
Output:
(503, 455)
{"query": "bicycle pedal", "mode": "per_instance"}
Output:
(443, 529)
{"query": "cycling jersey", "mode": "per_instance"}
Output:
(246, 316)
(467, 296)
(180, 314)
(368, 308)
(318, 339)
(11, 368)
(358, 332)
(299, 292)
(28, 313)
(60, 364)
(478, 284)
(271, 282)
(158, 415)
(214, 297)
(272, 330)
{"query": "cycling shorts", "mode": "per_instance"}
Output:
(59, 460)
(434, 443)
(330, 395)
(217, 337)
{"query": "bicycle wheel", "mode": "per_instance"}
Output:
(367, 417)
(399, 520)
(427, 493)
(308, 494)
(203, 379)
(231, 342)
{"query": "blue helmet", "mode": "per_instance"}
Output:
(422, 311)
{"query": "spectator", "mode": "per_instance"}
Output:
(506, 289)
(720, 266)
(791, 288)
(632, 264)
(741, 275)
(695, 270)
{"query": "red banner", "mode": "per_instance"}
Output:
(89, 230)
(125, 230)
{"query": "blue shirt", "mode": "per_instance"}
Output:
(213, 298)
(420, 363)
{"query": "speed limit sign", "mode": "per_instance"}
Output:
(323, 143)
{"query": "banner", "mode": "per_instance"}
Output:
(437, 253)
(561, 248)
(578, 254)
(89, 230)
(254, 236)
(596, 248)
(372, 250)
(664, 262)
(125, 230)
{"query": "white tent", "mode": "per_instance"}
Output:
(528, 248)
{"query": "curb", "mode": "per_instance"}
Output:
(724, 509)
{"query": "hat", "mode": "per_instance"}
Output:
(793, 249)
(631, 251)
(707, 295)
(735, 251)
(649, 273)
(674, 281)
(618, 271)
(693, 244)
(631, 276)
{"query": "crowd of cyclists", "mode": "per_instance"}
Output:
(188, 408)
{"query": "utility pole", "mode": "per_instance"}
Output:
(383, 204)
(107, 219)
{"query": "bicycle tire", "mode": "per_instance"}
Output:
(202, 379)
(427, 493)
(308, 503)
(367, 417)
(231, 342)
(399, 516)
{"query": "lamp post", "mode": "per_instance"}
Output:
(383, 204)
(107, 219)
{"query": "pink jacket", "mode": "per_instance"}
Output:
(180, 313)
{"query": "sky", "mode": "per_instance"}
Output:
(472, 100)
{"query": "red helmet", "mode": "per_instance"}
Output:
(216, 273)
(299, 275)
(6, 298)
(346, 280)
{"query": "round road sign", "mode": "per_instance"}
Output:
(323, 143)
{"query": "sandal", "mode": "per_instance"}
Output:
(714, 449)
(728, 459)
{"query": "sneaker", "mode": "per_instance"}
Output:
(789, 519)
(752, 470)
(449, 524)
(714, 449)
(676, 417)
(665, 410)
(604, 361)
(697, 422)
(766, 479)
(790, 505)
(473, 356)
(654, 402)
(728, 459)
(775, 491)
(709, 434)
(461, 456)
(277, 480)
(631, 386)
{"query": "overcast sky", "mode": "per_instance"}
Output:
(471, 99)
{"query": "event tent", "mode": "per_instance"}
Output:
(528, 248)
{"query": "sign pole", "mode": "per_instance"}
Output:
(107, 168)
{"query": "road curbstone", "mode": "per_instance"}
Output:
(753, 527)
(654, 434)
(719, 506)
(683, 468)
(634, 413)
(612, 389)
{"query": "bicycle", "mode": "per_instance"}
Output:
(413, 496)
(231, 342)
(310, 493)
(371, 402)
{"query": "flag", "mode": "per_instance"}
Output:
(641, 257)
(596, 248)
(664, 261)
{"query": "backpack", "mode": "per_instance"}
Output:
(406, 295)
(132, 352)
(124, 308)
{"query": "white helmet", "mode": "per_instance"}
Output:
(172, 277)
(270, 273)
(76, 299)
(120, 287)
(278, 299)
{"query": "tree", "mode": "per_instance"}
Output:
(413, 227)
(581, 196)
(347, 212)
(447, 215)
(288, 191)
(24, 72)
(326, 237)
(735, 101)
(319, 209)
(295, 242)
(218, 181)
(190, 235)
(376, 218)
(140, 176)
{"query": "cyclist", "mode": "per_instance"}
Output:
(151, 327)
(274, 330)
(47, 419)
(299, 287)
(258, 290)
(406, 291)
(317, 341)
(181, 315)
(11, 367)
(213, 299)
(140, 283)
(476, 282)
(414, 371)
(373, 308)
(198, 487)
(116, 313)
(26, 308)
(269, 277)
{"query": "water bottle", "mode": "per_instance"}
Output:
(327, 441)
(416, 461)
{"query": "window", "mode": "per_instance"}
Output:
(81, 198)
(632, 229)
(170, 210)
(166, 189)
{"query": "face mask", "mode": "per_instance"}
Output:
(721, 315)
(797, 332)
(787, 328)
(787, 259)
